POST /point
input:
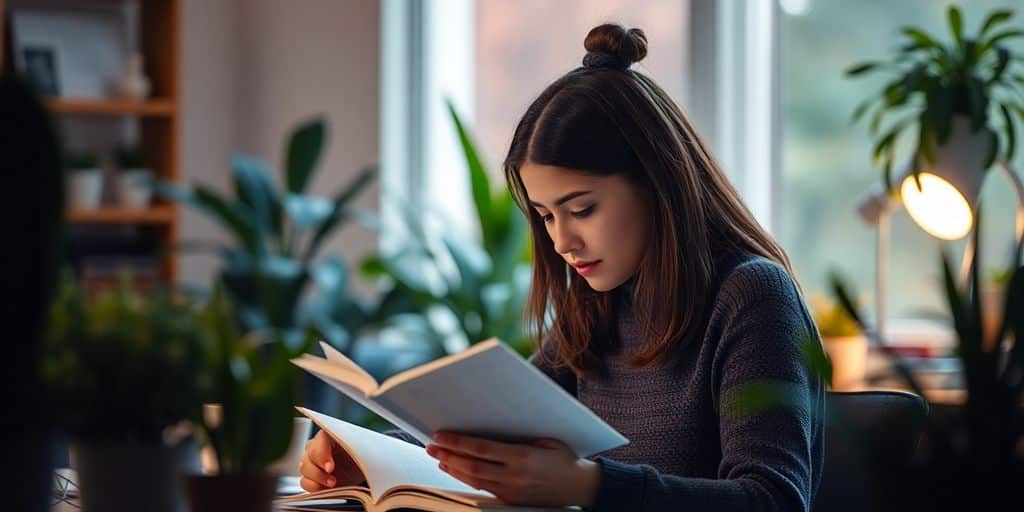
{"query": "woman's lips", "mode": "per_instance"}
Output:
(587, 269)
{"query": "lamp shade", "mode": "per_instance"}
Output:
(944, 200)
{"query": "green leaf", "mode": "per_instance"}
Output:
(861, 68)
(303, 151)
(339, 211)
(256, 190)
(479, 181)
(997, 16)
(921, 38)
(983, 48)
(977, 101)
(1002, 59)
(1011, 137)
(956, 24)
(235, 217)
(861, 109)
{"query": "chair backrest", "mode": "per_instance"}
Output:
(870, 439)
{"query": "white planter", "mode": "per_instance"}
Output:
(85, 189)
(132, 191)
(849, 356)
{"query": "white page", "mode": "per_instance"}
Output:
(318, 366)
(497, 394)
(388, 462)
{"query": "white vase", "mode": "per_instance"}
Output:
(85, 188)
(849, 356)
(132, 189)
(134, 84)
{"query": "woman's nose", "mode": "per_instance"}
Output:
(564, 239)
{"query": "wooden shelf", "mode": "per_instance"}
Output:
(160, 214)
(150, 108)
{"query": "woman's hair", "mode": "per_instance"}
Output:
(605, 119)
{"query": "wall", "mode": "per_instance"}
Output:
(252, 70)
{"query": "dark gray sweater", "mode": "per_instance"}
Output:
(689, 449)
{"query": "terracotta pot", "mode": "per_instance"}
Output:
(849, 356)
(249, 492)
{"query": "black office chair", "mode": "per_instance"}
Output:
(870, 440)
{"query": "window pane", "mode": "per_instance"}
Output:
(826, 160)
(523, 46)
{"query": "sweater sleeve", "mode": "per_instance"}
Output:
(770, 452)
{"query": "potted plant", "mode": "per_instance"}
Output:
(84, 181)
(248, 420)
(845, 345)
(484, 294)
(960, 98)
(273, 271)
(119, 370)
(972, 454)
(133, 175)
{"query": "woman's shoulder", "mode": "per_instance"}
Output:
(746, 278)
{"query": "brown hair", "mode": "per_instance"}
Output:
(604, 120)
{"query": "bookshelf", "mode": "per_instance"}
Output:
(153, 123)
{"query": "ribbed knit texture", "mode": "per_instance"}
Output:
(689, 450)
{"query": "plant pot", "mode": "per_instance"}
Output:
(116, 476)
(85, 189)
(251, 492)
(849, 356)
(132, 191)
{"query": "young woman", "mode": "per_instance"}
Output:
(660, 302)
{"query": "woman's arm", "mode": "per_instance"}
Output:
(771, 456)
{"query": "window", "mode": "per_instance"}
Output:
(826, 164)
(523, 46)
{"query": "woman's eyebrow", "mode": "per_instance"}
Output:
(563, 199)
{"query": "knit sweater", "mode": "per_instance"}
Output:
(692, 444)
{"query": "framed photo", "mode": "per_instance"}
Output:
(41, 69)
(86, 48)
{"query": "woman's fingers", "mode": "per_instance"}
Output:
(480, 448)
(309, 485)
(315, 473)
(320, 450)
(478, 468)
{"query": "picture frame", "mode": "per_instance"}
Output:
(41, 69)
(87, 47)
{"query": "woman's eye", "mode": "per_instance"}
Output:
(548, 218)
(584, 212)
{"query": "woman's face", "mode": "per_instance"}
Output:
(597, 220)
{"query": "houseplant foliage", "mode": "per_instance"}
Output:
(977, 77)
(278, 232)
(481, 284)
(120, 370)
(971, 454)
(251, 387)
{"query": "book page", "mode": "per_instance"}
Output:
(387, 462)
(332, 370)
(492, 392)
(321, 368)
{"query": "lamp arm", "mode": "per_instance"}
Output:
(1018, 234)
(1018, 186)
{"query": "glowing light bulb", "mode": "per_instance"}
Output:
(938, 207)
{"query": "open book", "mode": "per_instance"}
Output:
(487, 390)
(398, 475)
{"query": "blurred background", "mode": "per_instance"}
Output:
(332, 169)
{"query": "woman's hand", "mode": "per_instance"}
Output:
(325, 465)
(545, 472)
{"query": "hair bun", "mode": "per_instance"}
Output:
(612, 45)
